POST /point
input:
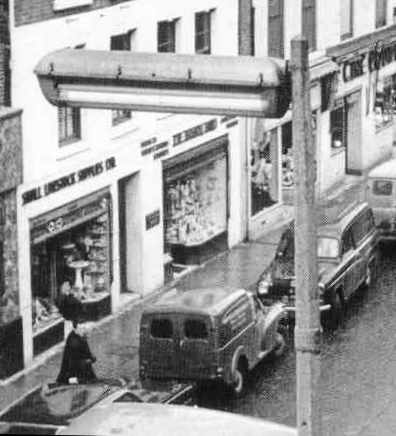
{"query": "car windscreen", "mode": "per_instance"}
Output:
(195, 329)
(328, 247)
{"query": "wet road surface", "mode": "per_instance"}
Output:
(358, 369)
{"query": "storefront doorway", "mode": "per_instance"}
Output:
(195, 205)
(130, 236)
(354, 164)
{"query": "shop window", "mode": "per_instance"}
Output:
(380, 13)
(263, 172)
(195, 329)
(121, 42)
(338, 126)
(161, 328)
(346, 19)
(196, 205)
(166, 36)
(69, 125)
(203, 32)
(385, 101)
(382, 187)
(309, 22)
(275, 29)
(68, 259)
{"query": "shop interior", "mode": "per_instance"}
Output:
(77, 261)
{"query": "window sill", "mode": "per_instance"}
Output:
(379, 129)
(71, 153)
(337, 151)
(60, 5)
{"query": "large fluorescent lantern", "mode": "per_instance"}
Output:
(166, 82)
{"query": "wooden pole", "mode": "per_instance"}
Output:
(307, 333)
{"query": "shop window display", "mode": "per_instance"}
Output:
(385, 101)
(196, 206)
(262, 176)
(76, 262)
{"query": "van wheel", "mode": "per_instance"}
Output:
(333, 318)
(371, 273)
(240, 376)
(280, 346)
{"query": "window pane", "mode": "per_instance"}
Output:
(202, 32)
(309, 23)
(327, 247)
(275, 28)
(166, 36)
(346, 18)
(161, 328)
(382, 187)
(195, 329)
(380, 18)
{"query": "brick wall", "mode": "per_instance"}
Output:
(5, 74)
(10, 177)
(32, 11)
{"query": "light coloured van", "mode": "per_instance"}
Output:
(381, 196)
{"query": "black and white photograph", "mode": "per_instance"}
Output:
(198, 217)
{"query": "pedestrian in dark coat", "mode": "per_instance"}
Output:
(77, 358)
(69, 306)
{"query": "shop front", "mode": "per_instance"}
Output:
(70, 249)
(361, 115)
(195, 204)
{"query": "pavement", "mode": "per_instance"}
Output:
(114, 340)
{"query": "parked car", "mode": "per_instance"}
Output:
(381, 196)
(50, 408)
(347, 247)
(133, 419)
(208, 334)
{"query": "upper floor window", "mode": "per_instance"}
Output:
(122, 41)
(309, 22)
(275, 29)
(203, 32)
(69, 125)
(166, 36)
(380, 13)
(346, 19)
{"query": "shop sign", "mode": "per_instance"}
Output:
(194, 132)
(68, 180)
(382, 55)
(150, 147)
(152, 219)
(68, 216)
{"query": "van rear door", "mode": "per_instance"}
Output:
(159, 346)
(197, 357)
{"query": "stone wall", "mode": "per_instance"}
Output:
(10, 178)
(5, 73)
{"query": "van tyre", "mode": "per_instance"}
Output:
(240, 377)
(334, 317)
(280, 346)
(371, 273)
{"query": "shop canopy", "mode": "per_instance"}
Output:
(166, 82)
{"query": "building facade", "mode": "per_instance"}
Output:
(115, 203)
(352, 65)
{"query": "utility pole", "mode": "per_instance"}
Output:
(307, 335)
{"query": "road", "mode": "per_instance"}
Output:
(358, 370)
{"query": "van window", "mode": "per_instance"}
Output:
(195, 329)
(382, 187)
(347, 241)
(327, 247)
(161, 328)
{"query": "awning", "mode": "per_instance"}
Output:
(322, 67)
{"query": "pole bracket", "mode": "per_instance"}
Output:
(307, 340)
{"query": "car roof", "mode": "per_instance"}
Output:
(140, 419)
(335, 228)
(202, 300)
(385, 170)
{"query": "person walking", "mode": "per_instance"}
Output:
(77, 358)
